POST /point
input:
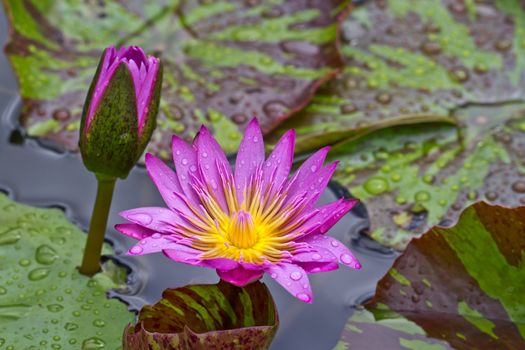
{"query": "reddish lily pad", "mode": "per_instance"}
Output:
(453, 288)
(209, 316)
(410, 62)
(225, 60)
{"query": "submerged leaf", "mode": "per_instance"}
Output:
(453, 288)
(209, 316)
(44, 301)
(415, 61)
(225, 61)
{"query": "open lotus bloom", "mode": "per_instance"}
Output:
(120, 111)
(245, 223)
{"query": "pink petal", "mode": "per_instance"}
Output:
(213, 164)
(134, 230)
(279, 163)
(240, 276)
(167, 182)
(294, 279)
(343, 254)
(316, 254)
(327, 216)
(250, 155)
(310, 166)
(154, 218)
(184, 254)
(185, 159)
(153, 244)
(317, 267)
(316, 183)
(221, 264)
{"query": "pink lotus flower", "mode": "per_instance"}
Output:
(243, 223)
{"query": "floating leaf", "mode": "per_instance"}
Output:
(44, 301)
(453, 288)
(415, 61)
(225, 60)
(209, 316)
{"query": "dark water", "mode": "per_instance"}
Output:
(39, 176)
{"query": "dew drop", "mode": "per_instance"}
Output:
(156, 235)
(313, 168)
(99, 323)
(334, 243)
(346, 259)
(45, 255)
(204, 154)
(184, 161)
(303, 297)
(273, 275)
(141, 218)
(55, 307)
(10, 236)
(38, 274)
(136, 250)
(376, 185)
(422, 196)
(193, 168)
(296, 275)
(70, 326)
(316, 256)
(519, 187)
(93, 343)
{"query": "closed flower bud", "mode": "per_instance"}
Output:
(120, 111)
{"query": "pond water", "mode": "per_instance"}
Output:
(37, 174)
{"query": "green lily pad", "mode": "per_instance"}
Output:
(411, 62)
(225, 60)
(453, 288)
(208, 316)
(419, 59)
(44, 302)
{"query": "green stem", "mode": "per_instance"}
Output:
(97, 228)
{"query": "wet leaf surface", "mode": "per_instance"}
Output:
(453, 288)
(208, 316)
(414, 62)
(225, 61)
(44, 302)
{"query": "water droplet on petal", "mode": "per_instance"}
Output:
(296, 275)
(313, 168)
(136, 250)
(334, 243)
(346, 259)
(193, 168)
(204, 154)
(273, 275)
(184, 161)
(303, 297)
(255, 139)
(140, 218)
(156, 235)
(316, 256)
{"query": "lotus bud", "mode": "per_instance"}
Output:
(120, 111)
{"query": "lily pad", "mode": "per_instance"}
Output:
(419, 59)
(453, 288)
(411, 62)
(225, 60)
(209, 316)
(44, 302)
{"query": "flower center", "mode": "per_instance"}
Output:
(241, 230)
